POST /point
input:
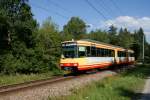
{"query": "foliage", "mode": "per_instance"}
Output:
(113, 35)
(99, 35)
(125, 38)
(18, 17)
(48, 44)
(139, 40)
(76, 27)
(17, 36)
(27, 48)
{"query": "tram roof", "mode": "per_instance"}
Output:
(97, 42)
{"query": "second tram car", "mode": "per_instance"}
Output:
(89, 54)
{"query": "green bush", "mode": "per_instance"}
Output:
(9, 64)
(27, 62)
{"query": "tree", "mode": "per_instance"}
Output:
(125, 38)
(113, 35)
(48, 41)
(121, 30)
(99, 35)
(120, 37)
(48, 35)
(4, 43)
(76, 27)
(17, 26)
(19, 19)
(147, 54)
(139, 40)
(112, 30)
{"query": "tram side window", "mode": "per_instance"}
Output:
(118, 54)
(105, 52)
(99, 52)
(110, 53)
(93, 51)
(121, 54)
(82, 51)
(88, 50)
(102, 52)
(131, 54)
(124, 54)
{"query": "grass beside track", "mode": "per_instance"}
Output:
(124, 86)
(21, 78)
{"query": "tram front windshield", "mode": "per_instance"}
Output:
(70, 51)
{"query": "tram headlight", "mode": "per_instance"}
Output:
(61, 64)
(75, 64)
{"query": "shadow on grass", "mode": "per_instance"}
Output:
(128, 93)
(142, 71)
(133, 95)
(145, 96)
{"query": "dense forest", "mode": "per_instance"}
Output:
(26, 47)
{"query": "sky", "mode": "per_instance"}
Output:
(98, 14)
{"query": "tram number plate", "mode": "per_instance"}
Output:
(67, 70)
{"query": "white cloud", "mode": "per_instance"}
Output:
(131, 23)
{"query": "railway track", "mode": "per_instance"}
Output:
(5, 90)
(26, 85)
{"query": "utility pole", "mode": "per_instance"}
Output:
(143, 48)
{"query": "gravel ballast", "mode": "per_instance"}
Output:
(56, 89)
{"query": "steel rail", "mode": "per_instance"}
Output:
(31, 84)
(4, 90)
